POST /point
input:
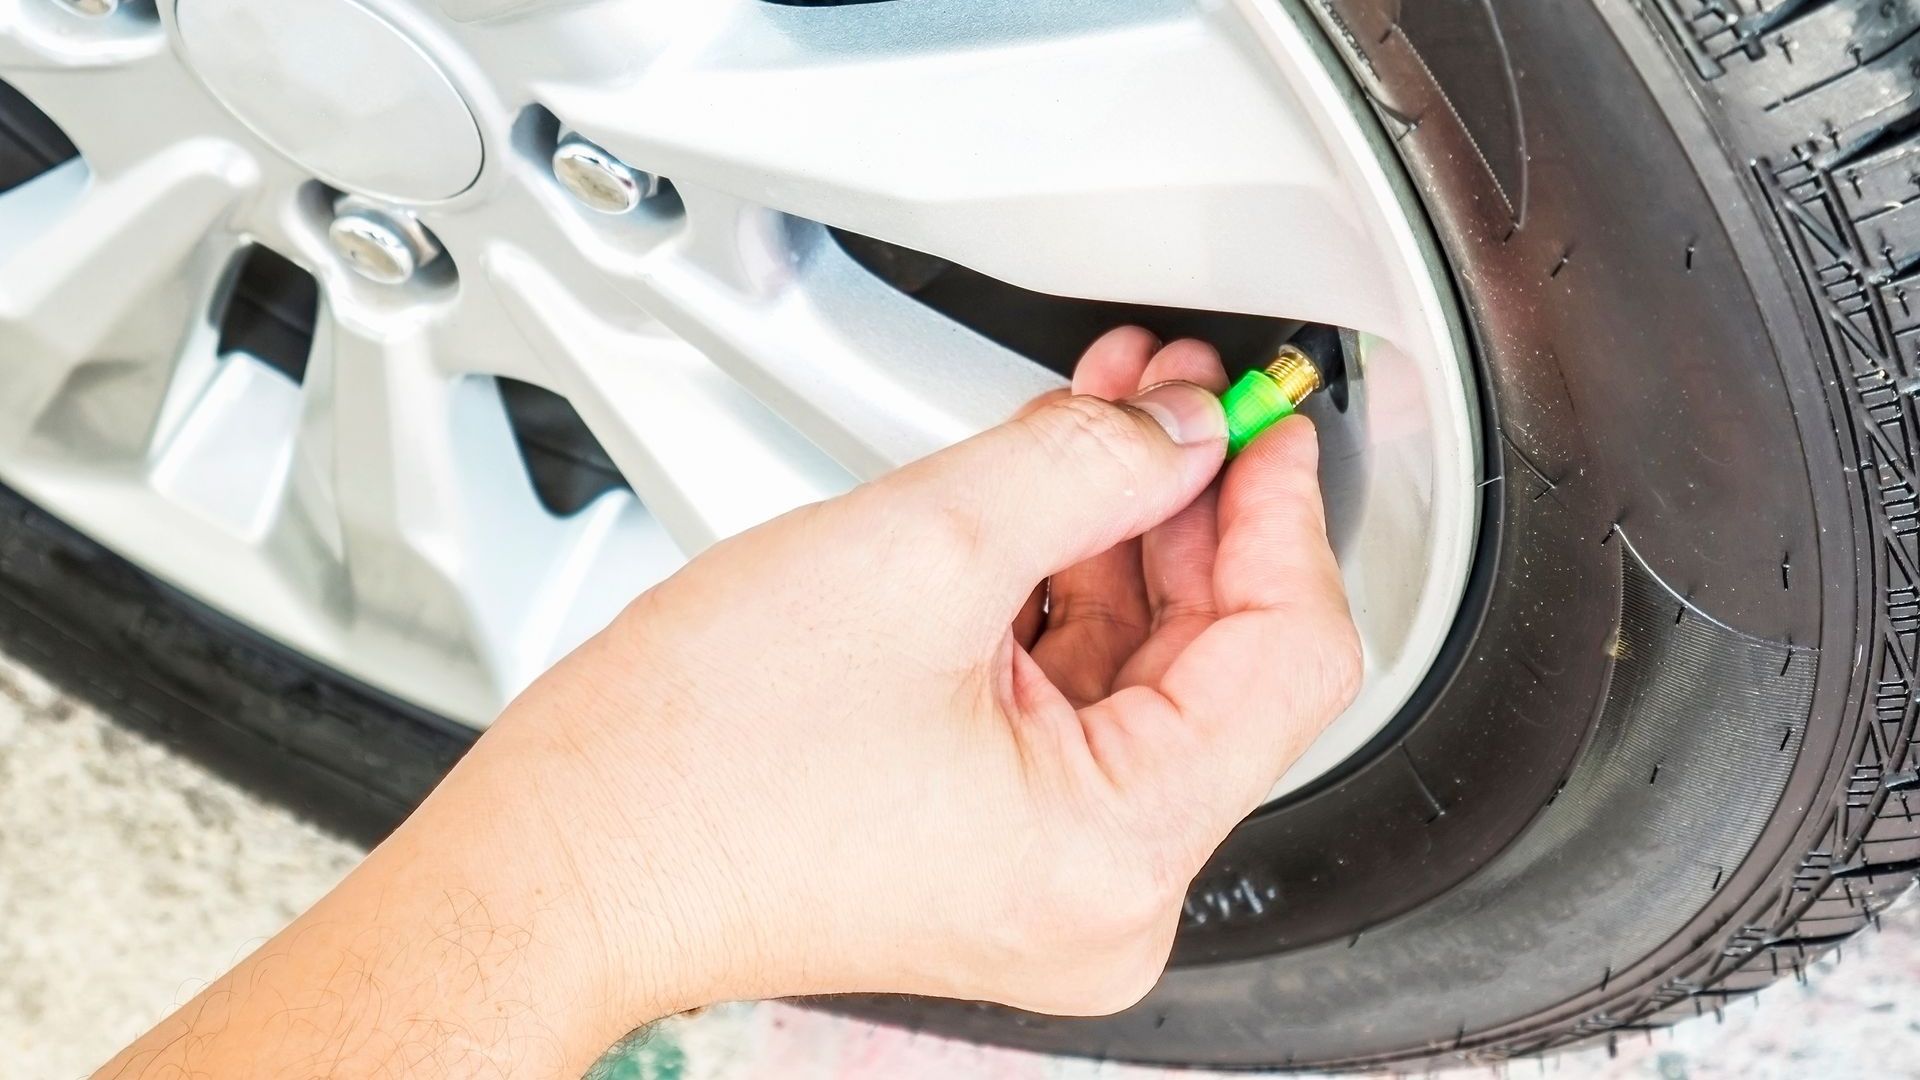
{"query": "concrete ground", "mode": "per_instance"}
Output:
(129, 876)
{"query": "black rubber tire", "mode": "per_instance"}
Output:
(1666, 761)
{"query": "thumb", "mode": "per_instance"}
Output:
(1070, 479)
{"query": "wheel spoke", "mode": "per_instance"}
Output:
(480, 336)
(120, 102)
(1146, 143)
(35, 35)
(704, 456)
(616, 550)
(407, 483)
(118, 269)
(487, 10)
(869, 375)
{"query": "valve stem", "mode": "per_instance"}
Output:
(1265, 396)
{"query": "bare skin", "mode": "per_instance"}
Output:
(850, 750)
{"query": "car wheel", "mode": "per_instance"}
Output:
(317, 449)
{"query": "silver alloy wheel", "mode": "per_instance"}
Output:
(729, 355)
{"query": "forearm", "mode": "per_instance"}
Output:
(463, 946)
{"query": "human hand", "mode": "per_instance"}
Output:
(884, 767)
(850, 750)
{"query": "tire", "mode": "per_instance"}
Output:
(1664, 761)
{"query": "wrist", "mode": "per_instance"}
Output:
(635, 875)
(615, 950)
(708, 880)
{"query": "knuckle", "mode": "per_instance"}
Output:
(1123, 984)
(1103, 914)
(1345, 662)
(904, 523)
(1098, 978)
(954, 531)
(1114, 898)
(1100, 432)
(906, 527)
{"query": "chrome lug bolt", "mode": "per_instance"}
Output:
(92, 9)
(381, 245)
(373, 247)
(599, 180)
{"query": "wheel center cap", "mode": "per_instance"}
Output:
(339, 90)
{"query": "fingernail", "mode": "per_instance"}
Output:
(1190, 415)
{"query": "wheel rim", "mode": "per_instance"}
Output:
(733, 360)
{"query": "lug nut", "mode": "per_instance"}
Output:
(92, 9)
(374, 248)
(381, 245)
(598, 179)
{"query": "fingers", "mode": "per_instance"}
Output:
(1186, 360)
(1112, 365)
(1097, 609)
(1259, 685)
(1106, 587)
(1177, 557)
(1273, 527)
(1251, 690)
(1070, 480)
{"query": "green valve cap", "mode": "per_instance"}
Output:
(1265, 396)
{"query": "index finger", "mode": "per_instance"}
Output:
(1259, 685)
(1273, 525)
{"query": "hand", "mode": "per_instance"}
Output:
(893, 770)
(967, 731)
